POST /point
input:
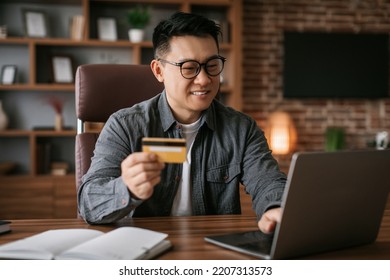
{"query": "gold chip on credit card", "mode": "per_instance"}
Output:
(170, 150)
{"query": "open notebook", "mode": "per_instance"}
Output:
(332, 200)
(124, 243)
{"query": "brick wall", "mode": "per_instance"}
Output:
(263, 24)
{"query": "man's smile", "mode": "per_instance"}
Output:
(199, 93)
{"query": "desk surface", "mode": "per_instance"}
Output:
(187, 233)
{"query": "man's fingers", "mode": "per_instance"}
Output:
(141, 172)
(270, 218)
(139, 157)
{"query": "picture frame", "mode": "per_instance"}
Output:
(8, 74)
(35, 23)
(106, 28)
(62, 69)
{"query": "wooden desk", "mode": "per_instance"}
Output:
(187, 233)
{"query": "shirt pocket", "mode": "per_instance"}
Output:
(223, 174)
(222, 189)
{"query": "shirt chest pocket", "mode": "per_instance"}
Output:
(223, 174)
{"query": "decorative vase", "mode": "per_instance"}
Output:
(382, 140)
(58, 122)
(3, 118)
(136, 35)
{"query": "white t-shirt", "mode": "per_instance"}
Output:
(182, 204)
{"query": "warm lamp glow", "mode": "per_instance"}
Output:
(281, 133)
(280, 140)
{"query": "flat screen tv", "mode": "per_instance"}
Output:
(336, 65)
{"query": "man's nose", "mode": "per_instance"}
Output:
(202, 77)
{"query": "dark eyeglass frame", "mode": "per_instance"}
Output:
(204, 65)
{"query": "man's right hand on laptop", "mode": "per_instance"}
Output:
(270, 218)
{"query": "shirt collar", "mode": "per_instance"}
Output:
(168, 120)
(166, 116)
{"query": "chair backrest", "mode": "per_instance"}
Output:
(102, 89)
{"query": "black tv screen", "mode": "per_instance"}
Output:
(336, 65)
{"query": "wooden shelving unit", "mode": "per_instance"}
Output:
(32, 57)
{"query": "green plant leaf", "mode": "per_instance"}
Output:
(138, 17)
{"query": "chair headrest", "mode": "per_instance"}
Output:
(102, 89)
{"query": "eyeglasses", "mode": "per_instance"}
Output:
(189, 69)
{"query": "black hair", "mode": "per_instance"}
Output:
(182, 24)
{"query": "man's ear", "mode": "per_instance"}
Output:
(157, 70)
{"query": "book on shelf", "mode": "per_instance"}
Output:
(43, 157)
(77, 27)
(124, 243)
(5, 226)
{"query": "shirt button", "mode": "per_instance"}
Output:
(226, 177)
(124, 202)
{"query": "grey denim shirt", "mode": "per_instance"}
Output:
(229, 149)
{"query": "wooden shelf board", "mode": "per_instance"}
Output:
(38, 87)
(36, 133)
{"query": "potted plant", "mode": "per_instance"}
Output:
(138, 18)
(334, 139)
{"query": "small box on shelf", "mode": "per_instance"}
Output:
(59, 168)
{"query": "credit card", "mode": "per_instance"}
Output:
(170, 150)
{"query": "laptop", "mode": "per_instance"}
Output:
(332, 200)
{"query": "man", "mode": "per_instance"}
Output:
(224, 147)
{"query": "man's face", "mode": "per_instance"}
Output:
(188, 97)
